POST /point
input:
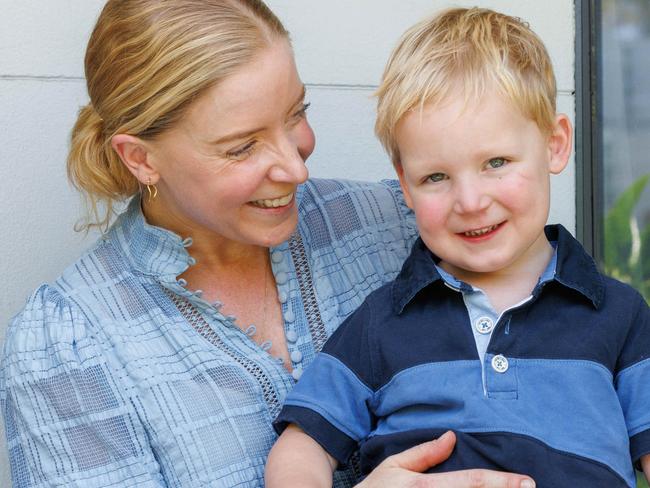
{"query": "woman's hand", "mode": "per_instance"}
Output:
(405, 470)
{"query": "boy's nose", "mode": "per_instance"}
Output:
(471, 197)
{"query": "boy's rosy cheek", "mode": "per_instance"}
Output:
(429, 217)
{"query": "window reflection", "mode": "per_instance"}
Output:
(625, 62)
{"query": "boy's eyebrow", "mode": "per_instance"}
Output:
(244, 134)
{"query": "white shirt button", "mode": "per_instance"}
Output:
(282, 296)
(296, 373)
(484, 325)
(277, 256)
(500, 363)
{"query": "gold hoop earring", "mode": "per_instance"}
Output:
(152, 192)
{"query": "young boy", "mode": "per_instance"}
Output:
(497, 327)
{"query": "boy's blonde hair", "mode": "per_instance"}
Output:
(466, 50)
(146, 62)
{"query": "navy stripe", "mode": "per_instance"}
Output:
(435, 327)
(350, 342)
(640, 446)
(637, 342)
(428, 330)
(550, 468)
(335, 442)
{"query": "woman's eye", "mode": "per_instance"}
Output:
(300, 113)
(242, 152)
(495, 163)
(436, 177)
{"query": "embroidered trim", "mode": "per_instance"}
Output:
(200, 325)
(310, 303)
(314, 319)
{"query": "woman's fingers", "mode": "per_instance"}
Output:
(425, 455)
(405, 470)
(475, 478)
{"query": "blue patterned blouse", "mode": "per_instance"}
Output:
(118, 375)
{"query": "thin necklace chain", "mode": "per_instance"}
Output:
(266, 278)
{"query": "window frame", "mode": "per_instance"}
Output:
(589, 139)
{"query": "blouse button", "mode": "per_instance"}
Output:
(296, 356)
(289, 316)
(281, 278)
(296, 373)
(292, 336)
(277, 256)
(282, 297)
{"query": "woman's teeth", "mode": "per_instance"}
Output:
(275, 202)
(480, 232)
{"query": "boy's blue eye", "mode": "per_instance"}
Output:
(496, 162)
(436, 177)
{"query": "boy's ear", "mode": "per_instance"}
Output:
(560, 143)
(402, 182)
(135, 155)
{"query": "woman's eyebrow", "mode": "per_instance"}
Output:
(236, 136)
(244, 134)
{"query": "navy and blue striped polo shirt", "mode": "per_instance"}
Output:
(562, 392)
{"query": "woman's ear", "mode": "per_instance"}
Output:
(135, 155)
(560, 143)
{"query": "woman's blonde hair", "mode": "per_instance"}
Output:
(146, 61)
(465, 50)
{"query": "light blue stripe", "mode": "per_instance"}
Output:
(570, 405)
(633, 386)
(336, 393)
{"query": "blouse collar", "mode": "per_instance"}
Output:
(151, 250)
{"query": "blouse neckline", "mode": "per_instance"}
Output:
(151, 250)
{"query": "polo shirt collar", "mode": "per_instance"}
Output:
(575, 270)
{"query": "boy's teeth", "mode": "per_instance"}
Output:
(480, 232)
(275, 202)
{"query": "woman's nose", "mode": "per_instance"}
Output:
(289, 165)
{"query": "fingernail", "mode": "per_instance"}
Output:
(445, 435)
(527, 484)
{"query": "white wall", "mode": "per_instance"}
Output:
(341, 47)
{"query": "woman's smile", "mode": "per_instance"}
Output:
(275, 202)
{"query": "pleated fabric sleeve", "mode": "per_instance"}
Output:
(69, 421)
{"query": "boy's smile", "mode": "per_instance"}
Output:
(477, 176)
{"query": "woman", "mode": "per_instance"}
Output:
(161, 356)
